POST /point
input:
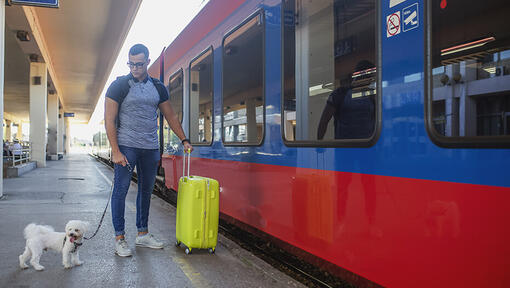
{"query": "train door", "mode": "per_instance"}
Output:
(171, 142)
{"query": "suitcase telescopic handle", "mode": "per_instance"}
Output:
(184, 162)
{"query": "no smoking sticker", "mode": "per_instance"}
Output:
(393, 26)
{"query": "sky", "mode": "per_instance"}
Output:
(156, 25)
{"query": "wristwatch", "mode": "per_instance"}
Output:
(185, 140)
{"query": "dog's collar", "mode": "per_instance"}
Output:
(76, 244)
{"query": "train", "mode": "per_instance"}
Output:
(372, 136)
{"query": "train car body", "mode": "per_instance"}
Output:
(407, 206)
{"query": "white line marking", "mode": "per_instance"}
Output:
(104, 176)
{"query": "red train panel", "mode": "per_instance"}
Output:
(374, 226)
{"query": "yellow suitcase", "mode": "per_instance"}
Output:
(197, 211)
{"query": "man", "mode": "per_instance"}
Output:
(7, 151)
(16, 149)
(133, 137)
(354, 116)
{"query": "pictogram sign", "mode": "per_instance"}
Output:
(410, 17)
(393, 24)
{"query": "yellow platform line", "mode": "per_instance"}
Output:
(194, 276)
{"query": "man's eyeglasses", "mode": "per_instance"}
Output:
(137, 65)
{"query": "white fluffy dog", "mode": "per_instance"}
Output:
(43, 237)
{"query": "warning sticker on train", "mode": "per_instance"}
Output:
(394, 3)
(410, 17)
(393, 24)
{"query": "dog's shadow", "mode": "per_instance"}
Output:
(52, 276)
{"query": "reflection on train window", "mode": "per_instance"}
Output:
(243, 83)
(175, 91)
(470, 75)
(329, 70)
(201, 98)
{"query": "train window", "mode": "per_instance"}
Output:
(176, 92)
(201, 98)
(330, 75)
(243, 83)
(175, 89)
(469, 73)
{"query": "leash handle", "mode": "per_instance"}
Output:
(128, 166)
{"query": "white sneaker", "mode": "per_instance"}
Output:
(122, 248)
(149, 241)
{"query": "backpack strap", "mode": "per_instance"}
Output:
(162, 91)
(122, 83)
(125, 82)
(124, 87)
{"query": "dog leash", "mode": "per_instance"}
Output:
(107, 203)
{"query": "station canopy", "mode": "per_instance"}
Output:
(79, 41)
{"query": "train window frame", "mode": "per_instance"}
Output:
(162, 136)
(209, 48)
(340, 143)
(499, 141)
(181, 71)
(258, 13)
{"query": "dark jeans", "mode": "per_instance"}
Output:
(146, 163)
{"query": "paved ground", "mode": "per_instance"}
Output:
(77, 187)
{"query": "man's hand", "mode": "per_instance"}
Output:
(119, 158)
(187, 147)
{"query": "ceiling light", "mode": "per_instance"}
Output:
(466, 46)
(23, 35)
(368, 71)
(33, 57)
(320, 89)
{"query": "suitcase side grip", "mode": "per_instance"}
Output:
(197, 194)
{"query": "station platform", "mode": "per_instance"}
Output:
(77, 187)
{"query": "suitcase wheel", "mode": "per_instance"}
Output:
(211, 250)
(187, 251)
(177, 243)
